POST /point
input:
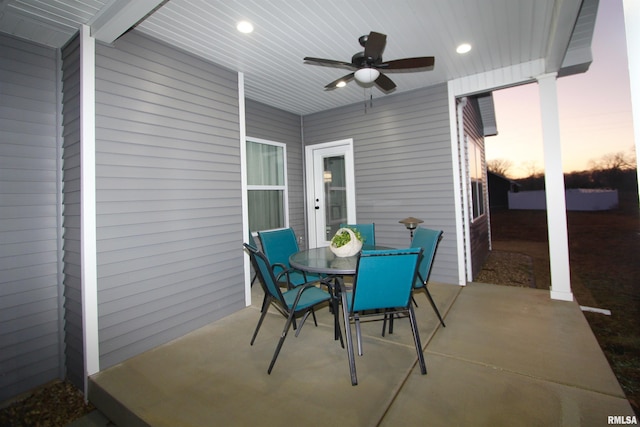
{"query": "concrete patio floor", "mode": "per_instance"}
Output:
(508, 356)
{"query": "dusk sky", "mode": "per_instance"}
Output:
(595, 108)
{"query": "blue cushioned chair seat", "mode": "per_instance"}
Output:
(309, 298)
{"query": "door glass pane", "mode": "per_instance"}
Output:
(335, 194)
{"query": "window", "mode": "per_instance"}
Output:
(266, 185)
(476, 174)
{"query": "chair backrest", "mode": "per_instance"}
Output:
(368, 231)
(279, 245)
(252, 242)
(384, 278)
(428, 240)
(265, 273)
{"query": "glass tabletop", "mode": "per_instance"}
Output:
(323, 261)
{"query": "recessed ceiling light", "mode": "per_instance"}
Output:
(341, 84)
(245, 27)
(463, 48)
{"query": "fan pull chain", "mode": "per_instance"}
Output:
(365, 99)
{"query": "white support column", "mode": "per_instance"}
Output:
(457, 186)
(555, 192)
(88, 205)
(243, 174)
(632, 28)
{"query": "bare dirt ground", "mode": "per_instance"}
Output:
(52, 405)
(604, 253)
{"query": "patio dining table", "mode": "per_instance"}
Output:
(322, 261)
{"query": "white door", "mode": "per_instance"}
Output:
(330, 189)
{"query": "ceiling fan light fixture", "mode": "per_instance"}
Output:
(367, 75)
(463, 48)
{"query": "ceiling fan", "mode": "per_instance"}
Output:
(368, 64)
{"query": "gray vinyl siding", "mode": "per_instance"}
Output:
(30, 256)
(402, 150)
(479, 227)
(74, 342)
(168, 195)
(263, 121)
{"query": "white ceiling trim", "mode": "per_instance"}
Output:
(497, 79)
(113, 21)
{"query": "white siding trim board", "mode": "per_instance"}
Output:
(89, 282)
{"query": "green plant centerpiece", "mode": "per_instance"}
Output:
(346, 242)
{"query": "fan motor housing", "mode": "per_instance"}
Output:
(360, 61)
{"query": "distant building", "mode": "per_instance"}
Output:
(499, 188)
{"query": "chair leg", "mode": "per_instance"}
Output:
(433, 304)
(283, 336)
(358, 334)
(336, 321)
(347, 329)
(306, 314)
(416, 340)
(264, 303)
(384, 323)
(264, 313)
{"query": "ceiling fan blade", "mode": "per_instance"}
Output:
(385, 83)
(375, 45)
(329, 63)
(408, 63)
(334, 84)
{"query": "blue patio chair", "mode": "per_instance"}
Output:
(278, 246)
(368, 232)
(384, 281)
(428, 240)
(252, 242)
(291, 303)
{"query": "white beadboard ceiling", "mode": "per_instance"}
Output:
(503, 33)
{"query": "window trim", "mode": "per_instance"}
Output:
(479, 201)
(284, 188)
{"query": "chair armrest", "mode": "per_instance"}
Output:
(301, 289)
(279, 265)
